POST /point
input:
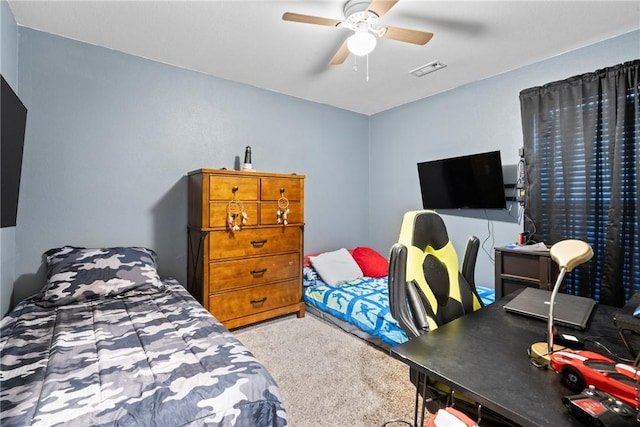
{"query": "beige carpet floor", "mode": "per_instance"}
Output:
(328, 377)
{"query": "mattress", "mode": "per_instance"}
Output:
(150, 356)
(363, 303)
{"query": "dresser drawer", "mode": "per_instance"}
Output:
(269, 213)
(221, 187)
(254, 241)
(245, 302)
(218, 214)
(270, 188)
(228, 275)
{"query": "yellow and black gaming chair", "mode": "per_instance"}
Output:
(426, 286)
(428, 289)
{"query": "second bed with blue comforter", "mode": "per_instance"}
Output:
(364, 304)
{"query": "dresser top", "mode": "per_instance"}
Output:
(244, 173)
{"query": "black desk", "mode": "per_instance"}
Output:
(484, 356)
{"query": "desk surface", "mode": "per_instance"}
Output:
(484, 356)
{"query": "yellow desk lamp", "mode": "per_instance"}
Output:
(568, 254)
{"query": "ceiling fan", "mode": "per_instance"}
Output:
(361, 17)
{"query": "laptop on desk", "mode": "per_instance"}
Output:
(571, 310)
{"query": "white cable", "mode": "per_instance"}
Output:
(490, 236)
(367, 67)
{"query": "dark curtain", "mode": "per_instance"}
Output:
(582, 164)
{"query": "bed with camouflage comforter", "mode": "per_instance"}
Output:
(108, 343)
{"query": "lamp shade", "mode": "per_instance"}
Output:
(361, 43)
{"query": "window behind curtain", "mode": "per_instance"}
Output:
(581, 175)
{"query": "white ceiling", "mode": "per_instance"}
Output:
(248, 42)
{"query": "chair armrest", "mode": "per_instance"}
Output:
(469, 260)
(404, 302)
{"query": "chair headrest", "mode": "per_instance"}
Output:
(570, 253)
(423, 228)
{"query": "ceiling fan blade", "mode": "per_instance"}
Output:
(340, 55)
(407, 35)
(381, 7)
(308, 19)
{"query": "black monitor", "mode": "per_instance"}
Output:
(13, 118)
(466, 182)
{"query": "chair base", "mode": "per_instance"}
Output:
(436, 396)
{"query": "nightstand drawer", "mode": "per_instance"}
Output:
(523, 264)
(229, 275)
(244, 302)
(255, 241)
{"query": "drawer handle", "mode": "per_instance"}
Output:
(258, 301)
(258, 242)
(256, 272)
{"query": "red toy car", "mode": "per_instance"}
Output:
(582, 368)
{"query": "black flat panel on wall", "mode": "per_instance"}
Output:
(465, 182)
(13, 118)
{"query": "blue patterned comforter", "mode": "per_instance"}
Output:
(364, 302)
(149, 357)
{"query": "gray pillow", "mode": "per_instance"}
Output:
(80, 274)
(335, 267)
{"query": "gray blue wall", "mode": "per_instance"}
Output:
(9, 70)
(482, 116)
(110, 138)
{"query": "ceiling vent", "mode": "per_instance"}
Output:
(428, 68)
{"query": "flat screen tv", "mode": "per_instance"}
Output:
(467, 182)
(13, 118)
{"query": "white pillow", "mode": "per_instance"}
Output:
(335, 267)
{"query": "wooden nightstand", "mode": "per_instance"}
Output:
(516, 269)
(253, 273)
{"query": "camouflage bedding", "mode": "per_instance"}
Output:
(149, 356)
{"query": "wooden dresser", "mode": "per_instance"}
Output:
(254, 273)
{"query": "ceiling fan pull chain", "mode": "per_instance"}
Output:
(355, 63)
(367, 67)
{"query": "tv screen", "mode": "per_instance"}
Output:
(13, 117)
(466, 182)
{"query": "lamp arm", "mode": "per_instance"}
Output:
(552, 303)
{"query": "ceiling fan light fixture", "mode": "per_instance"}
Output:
(361, 43)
